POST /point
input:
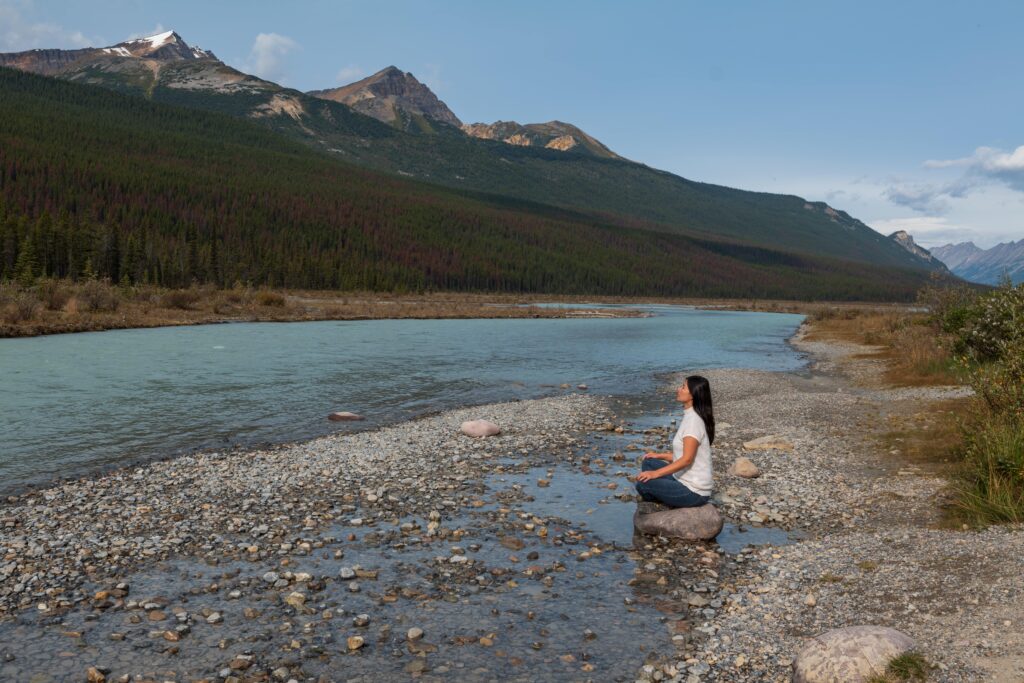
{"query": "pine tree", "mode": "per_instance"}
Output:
(26, 268)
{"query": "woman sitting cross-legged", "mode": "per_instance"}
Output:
(682, 478)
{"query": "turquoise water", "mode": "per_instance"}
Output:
(72, 403)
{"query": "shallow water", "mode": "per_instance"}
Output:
(72, 403)
(539, 631)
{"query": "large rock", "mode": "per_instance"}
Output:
(480, 428)
(344, 416)
(691, 524)
(744, 467)
(775, 442)
(849, 655)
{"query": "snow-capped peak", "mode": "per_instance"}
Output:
(159, 39)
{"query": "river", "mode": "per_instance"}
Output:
(71, 404)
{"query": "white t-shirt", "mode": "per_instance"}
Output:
(696, 477)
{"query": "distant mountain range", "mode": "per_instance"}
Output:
(393, 123)
(986, 266)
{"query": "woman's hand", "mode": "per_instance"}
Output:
(659, 456)
(647, 476)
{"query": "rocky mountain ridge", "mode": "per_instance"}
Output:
(551, 135)
(985, 266)
(392, 96)
(162, 47)
(905, 240)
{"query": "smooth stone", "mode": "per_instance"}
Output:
(415, 633)
(691, 524)
(479, 428)
(854, 654)
(345, 416)
(744, 467)
(355, 642)
(775, 442)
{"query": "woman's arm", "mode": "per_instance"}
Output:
(659, 456)
(689, 453)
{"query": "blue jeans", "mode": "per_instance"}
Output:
(667, 489)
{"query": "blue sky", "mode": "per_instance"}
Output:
(906, 114)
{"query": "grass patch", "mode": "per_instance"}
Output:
(909, 666)
(990, 484)
(829, 577)
(867, 566)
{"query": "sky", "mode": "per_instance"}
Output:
(907, 115)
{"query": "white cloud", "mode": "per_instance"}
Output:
(349, 74)
(989, 163)
(268, 56)
(18, 32)
(432, 77)
(156, 30)
(928, 231)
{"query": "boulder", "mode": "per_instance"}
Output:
(480, 428)
(690, 524)
(855, 654)
(344, 416)
(774, 442)
(744, 467)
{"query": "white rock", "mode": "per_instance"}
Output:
(480, 428)
(853, 655)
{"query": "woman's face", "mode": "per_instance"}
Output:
(683, 394)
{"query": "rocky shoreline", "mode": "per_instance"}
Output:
(412, 551)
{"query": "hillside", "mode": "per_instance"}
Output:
(92, 181)
(564, 175)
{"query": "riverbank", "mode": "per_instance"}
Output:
(58, 307)
(878, 548)
(322, 560)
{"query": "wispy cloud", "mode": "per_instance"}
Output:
(989, 163)
(18, 32)
(920, 198)
(268, 56)
(349, 74)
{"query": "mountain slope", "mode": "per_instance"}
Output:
(985, 266)
(620, 190)
(91, 180)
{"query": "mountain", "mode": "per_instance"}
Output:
(167, 46)
(606, 188)
(986, 266)
(394, 97)
(904, 239)
(92, 180)
(552, 135)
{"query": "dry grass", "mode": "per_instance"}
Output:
(53, 307)
(914, 354)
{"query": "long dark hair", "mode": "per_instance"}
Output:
(700, 389)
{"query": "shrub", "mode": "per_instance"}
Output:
(183, 299)
(21, 307)
(267, 298)
(97, 295)
(54, 294)
(993, 320)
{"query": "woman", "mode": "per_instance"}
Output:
(685, 481)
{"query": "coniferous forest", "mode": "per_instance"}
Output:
(94, 184)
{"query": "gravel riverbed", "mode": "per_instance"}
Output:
(413, 552)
